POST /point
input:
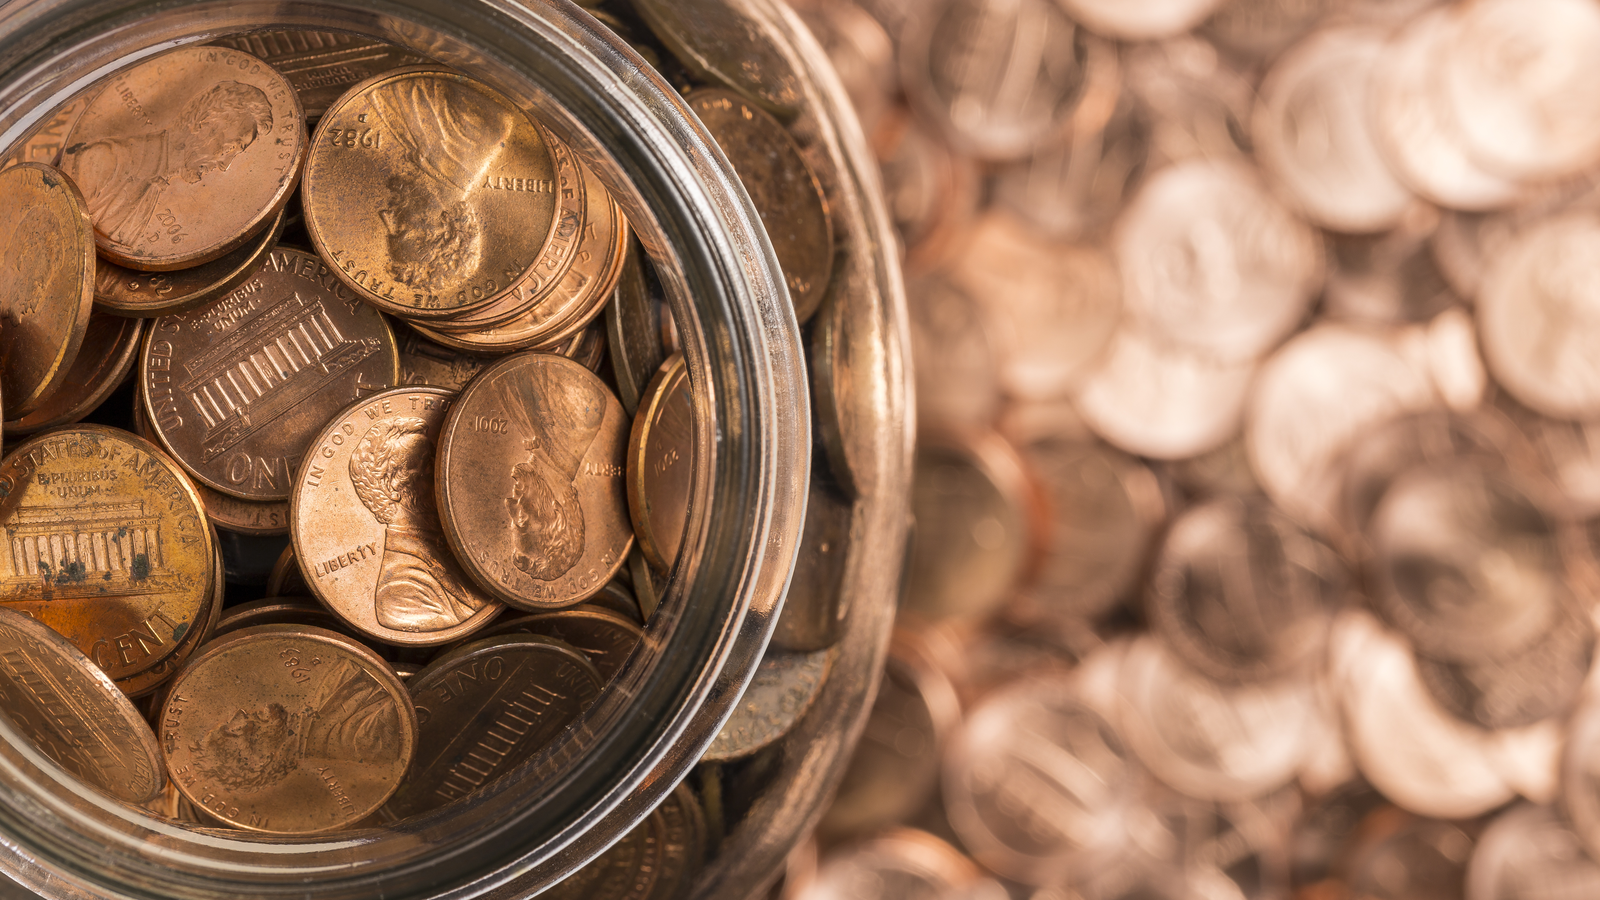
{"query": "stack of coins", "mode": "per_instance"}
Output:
(1255, 494)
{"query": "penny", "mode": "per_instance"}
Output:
(861, 52)
(423, 362)
(107, 544)
(321, 65)
(286, 579)
(647, 586)
(287, 729)
(366, 531)
(628, 870)
(604, 637)
(1141, 20)
(484, 709)
(184, 156)
(52, 694)
(101, 365)
(45, 145)
(1312, 132)
(1199, 103)
(1212, 262)
(817, 606)
(661, 451)
(152, 681)
(931, 192)
(948, 325)
(46, 283)
(632, 323)
(1259, 29)
(1529, 851)
(237, 388)
(530, 481)
(726, 50)
(127, 292)
(430, 194)
(781, 691)
(280, 611)
(233, 514)
(784, 190)
(845, 344)
(1534, 684)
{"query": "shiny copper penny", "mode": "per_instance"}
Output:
(237, 388)
(322, 65)
(783, 188)
(106, 543)
(365, 527)
(604, 637)
(54, 695)
(46, 282)
(661, 464)
(184, 156)
(530, 481)
(128, 292)
(288, 729)
(485, 708)
(45, 145)
(430, 193)
(103, 362)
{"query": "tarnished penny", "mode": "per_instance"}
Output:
(287, 729)
(237, 388)
(107, 544)
(781, 691)
(46, 144)
(104, 359)
(530, 480)
(365, 528)
(47, 265)
(632, 326)
(423, 362)
(783, 188)
(485, 708)
(184, 156)
(429, 193)
(727, 50)
(628, 870)
(127, 292)
(604, 637)
(53, 694)
(322, 65)
(151, 682)
(661, 463)
(817, 607)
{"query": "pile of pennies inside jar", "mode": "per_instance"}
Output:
(1256, 347)
(366, 344)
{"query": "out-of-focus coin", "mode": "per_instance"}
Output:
(484, 708)
(102, 364)
(186, 155)
(1580, 774)
(783, 188)
(1529, 852)
(1199, 104)
(1312, 132)
(46, 144)
(429, 193)
(537, 443)
(975, 527)
(962, 389)
(1538, 682)
(367, 532)
(781, 691)
(287, 729)
(904, 864)
(286, 579)
(46, 283)
(816, 606)
(1140, 20)
(1387, 278)
(1422, 860)
(661, 463)
(1243, 593)
(601, 635)
(236, 389)
(128, 292)
(632, 323)
(73, 713)
(108, 544)
(1075, 188)
(321, 64)
(1539, 316)
(1212, 261)
(423, 362)
(726, 50)
(931, 192)
(1259, 29)
(861, 52)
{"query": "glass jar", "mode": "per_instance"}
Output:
(753, 443)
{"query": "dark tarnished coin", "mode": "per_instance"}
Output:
(726, 49)
(604, 637)
(661, 464)
(626, 871)
(782, 690)
(485, 708)
(184, 156)
(128, 292)
(237, 388)
(103, 361)
(429, 193)
(286, 579)
(683, 843)
(423, 362)
(632, 325)
(322, 65)
(365, 527)
(783, 188)
(1533, 684)
(815, 608)
(287, 729)
(530, 481)
(54, 695)
(47, 265)
(106, 543)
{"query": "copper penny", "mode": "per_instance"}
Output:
(365, 528)
(783, 188)
(288, 729)
(530, 481)
(487, 707)
(128, 292)
(726, 50)
(661, 464)
(237, 388)
(430, 193)
(782, 690)
(45, 145)
(102, 364)
(632, 326)
(46, 282)
(606, 639)
(322, 65)
(107, 544)
(54, 695)
(152, 681)
(230, 513)
(423, 362)
(184, 156)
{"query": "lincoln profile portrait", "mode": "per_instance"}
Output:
(123, 178)
(418, 587)
(559, 418)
